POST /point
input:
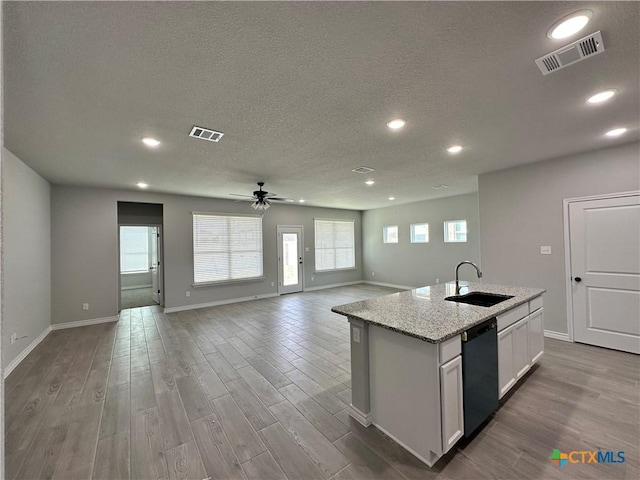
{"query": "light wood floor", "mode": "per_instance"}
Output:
(259, 390)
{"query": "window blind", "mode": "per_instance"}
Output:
(226, 248)
(334, 244)
(134, 249)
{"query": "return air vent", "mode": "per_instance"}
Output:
(363, 169)
(572, 53)
(206, 134)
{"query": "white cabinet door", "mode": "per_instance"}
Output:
(506, 369)
(521, 357)
(536, 335)
(451, 400)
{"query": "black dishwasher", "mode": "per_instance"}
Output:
(479, 374)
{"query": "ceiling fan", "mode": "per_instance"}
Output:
(262, 199)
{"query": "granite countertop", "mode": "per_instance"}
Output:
(425, 314)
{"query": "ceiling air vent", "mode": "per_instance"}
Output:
(206, 134)
(363, 169)
(575, 52)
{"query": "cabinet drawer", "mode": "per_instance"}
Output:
(535, 304)
(449, 349)
(512, 316)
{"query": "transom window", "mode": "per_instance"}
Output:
(419, 233)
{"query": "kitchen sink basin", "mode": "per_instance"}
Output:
(481, 299)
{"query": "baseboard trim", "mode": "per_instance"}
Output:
(83, 323)
(557, 335)
(196, 306)
(16, 361)
(390, 285)
(333, 285)
(136, 287)
(358, 416)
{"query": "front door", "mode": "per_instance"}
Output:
(155, 248)
(605, 271)
(290, 259)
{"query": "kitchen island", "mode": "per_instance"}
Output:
(406, 358)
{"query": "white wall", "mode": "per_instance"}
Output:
(26, 259)
(521, 210)
(85, 264)
(408, 264)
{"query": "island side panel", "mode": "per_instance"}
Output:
(405, 391)
(360, 408)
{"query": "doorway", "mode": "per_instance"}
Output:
(290, 259)
(140, 266)
(604, 270)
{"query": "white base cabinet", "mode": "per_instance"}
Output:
(451, 401)
(520, 345)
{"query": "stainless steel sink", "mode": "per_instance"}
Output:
(481, 299)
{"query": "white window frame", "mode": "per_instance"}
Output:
(325, 221)
(229, 279)
(412, 232)
(385, 234)
(446, 229)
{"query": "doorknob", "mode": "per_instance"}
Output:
(578, 279)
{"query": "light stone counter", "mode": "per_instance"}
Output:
(425, 314)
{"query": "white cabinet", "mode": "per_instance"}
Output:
(520, 342)
(451, 401)
(536, 335)
(506, 366)
(521, 347)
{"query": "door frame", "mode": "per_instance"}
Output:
(278, 253)
(160, 259)
(567, 247)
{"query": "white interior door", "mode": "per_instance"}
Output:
(290, 259)
(156, 266)
(605, 271)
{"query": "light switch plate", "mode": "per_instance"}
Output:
(545, 250)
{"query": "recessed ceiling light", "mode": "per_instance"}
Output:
(369, 182)
(142, 185)
(616, 132)
(301, 200)
(150, 142)
(569, 25)
(601, 96)
(454, 149)
(396, 123)
(392, 198)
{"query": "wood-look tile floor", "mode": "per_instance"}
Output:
(259, 390)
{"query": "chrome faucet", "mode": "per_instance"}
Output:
(459, 265)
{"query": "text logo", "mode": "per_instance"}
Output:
(585, 456)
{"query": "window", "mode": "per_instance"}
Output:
(390, 234)
(226, 248)
(419, 233)
(335, 244)
(134, 249)
(455, 231)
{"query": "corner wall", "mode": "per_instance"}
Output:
(26, 256)
(418, 264)
(85, 264)
(521, 210)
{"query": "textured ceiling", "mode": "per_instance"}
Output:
(303, 91)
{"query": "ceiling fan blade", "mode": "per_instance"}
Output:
(240, 195)
(281, 199)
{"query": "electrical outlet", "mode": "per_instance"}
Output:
(356, 334)
(187, 293)
(545, 250)
(437, 280)
(312, 278)
(306, 249)
(373, 274)
(85, 306)
(273, 284)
